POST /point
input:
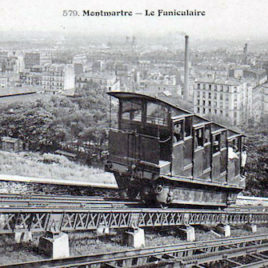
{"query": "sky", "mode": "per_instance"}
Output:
(224, 19)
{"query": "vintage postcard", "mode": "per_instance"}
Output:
(133, 133)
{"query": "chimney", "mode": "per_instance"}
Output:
(245, 53)
(186, 68)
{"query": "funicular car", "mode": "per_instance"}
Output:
(169, 155)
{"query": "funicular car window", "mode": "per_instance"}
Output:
(235, 144)
(176, 112)
(157, 114)
(216, 143)
(188, 126)
(207, 133)
(223, 139)
(178, 131)
(199, 138)
(132, 110)
(207, 155)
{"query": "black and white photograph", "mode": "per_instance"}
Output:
(134, 133)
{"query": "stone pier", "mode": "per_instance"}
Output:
(55, 245)
(135, 238)
(187, 233)
(21, 235)
(224, 229)
(251, 227)
(102, 231)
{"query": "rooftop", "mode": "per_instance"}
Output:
(230, 82)
(97, 75)
(9, 139)
(9, 91)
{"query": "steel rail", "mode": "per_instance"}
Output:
(58, 197)
(186, 254)
(40, 219)
(17, 200)
(41, 200)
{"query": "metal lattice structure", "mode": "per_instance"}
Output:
(45, 219)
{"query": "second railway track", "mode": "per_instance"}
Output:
(68, 201)
(248, 251)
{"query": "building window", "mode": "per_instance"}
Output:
(235, 97)
(198, 86)
(209, 95)
(204, 103)
(209, 87)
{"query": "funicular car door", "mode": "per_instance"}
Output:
(224, 156)
(198, 152)
(234, 159)
(219, 156)
(188, 146)
(178, 147)
(207, 153)
(132, 150)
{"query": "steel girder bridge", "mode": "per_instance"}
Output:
(62, 219)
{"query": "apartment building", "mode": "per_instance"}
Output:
(106, 81)
(228, 99)
(31, 59)
(53, 77)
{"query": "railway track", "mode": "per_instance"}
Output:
(41, 213)
(248, 251)
(55, 201)
(252, 201)
(41, 200)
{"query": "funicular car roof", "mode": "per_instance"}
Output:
(129, 95)
(169, 101)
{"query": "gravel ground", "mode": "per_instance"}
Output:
(82, 243)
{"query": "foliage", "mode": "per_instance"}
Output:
(257, 161)
(58, 120)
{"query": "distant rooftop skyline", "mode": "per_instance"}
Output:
(224, 19)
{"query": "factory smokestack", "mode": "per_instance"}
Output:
(186, 68)
(245, 54)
